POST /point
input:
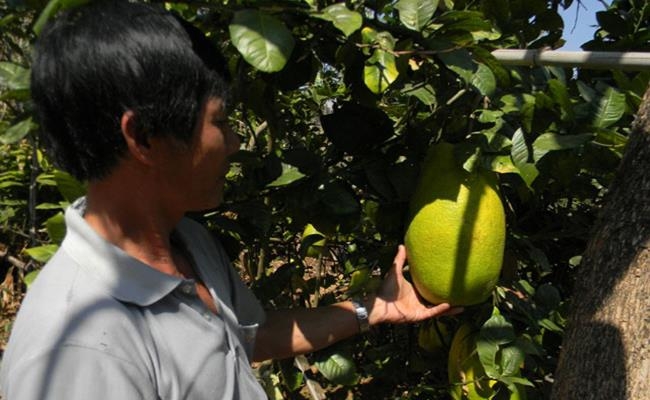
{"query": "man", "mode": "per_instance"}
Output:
(140, 302)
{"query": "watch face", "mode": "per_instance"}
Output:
(362, 316)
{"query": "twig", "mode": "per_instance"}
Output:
(4, 255)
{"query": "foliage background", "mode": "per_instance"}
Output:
(336, 104)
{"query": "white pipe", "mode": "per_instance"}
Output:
(638, 61)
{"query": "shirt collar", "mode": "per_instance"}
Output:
(124, 277)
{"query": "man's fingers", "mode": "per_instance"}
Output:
(437, 310)
(453, 311)
(444, 309)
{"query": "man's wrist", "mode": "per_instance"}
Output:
(362, 315)
(375, 310)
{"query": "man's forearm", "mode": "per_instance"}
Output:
(291, 332)
(288, 333)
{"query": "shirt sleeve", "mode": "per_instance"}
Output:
(78, 373)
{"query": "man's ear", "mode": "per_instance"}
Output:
(136, 143)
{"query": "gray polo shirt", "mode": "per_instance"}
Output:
(99, 324)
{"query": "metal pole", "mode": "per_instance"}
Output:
(636, 61)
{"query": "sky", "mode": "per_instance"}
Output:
(578, 32)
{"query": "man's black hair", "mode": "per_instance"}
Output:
(93, 63)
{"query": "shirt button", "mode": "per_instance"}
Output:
(187, 288)
(207, 315)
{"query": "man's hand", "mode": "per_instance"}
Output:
(397, 302)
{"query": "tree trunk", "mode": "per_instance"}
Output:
(605, 353)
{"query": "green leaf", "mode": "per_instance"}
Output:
(337, 200)
(510, 103)
(487, 116)
(13, 76)
(469, 154)
(512, 357)
(357, 128)
(6, 214)
(612, 139)
(69, 187)
(527, 112)
(52, 7)
(613, 23)
(495, 142)
(494, 333)
(459, 61)
(289, 175)
(560, 94)
(292, 376)
(368, 35)
(263, 41)
(415, 14)
(528, 346)
(501, 164)
(487, 353)
(359, 280)
(344, 19)
(548, 297)
(520, 155)
(479, 35)
(552, 141)
(497, 329)
(380, 71)
(484, 81)
(53, 206)
(512, 382)
(519, 152)
(30, 277)
(7, 19)
(42, 253)
(550, 325)
(17, 132)
(608, 109)
(55, 226)
(306, 161)
(586, 92)
(425, 93)
(338, 368)
(469, 21)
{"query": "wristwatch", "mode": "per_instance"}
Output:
(362, 315)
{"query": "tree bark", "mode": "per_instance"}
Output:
(605, 353)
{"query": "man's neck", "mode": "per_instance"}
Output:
(133, 218)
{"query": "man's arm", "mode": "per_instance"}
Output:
(291, 332)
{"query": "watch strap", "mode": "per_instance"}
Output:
(362, 315)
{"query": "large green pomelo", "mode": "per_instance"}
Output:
(456, 235)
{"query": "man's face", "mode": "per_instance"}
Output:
(195, 175)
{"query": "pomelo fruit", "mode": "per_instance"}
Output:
(434, 337)
(466, 373)
(456, 236)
